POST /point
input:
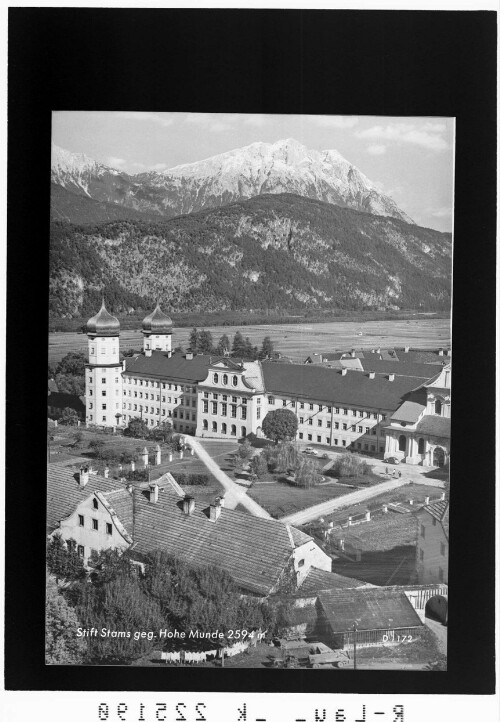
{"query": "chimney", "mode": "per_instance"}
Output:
(410, 501)
(371, 375)
(215, 509)
(157, 454)
(188, 505)
(344, 372)
(106, 473)
(222, 501)
(353, 353)
(391, 377)
(169, 353)
(145, 456)
(443, 496)
(130, 488)
(385, 508)
(407, 348)
(441, 352)
(147, 352)
(189, 355)
(84, 476)
(448, 352)
(378, 350)
(367, 515)
(153, 493)
(426, 500)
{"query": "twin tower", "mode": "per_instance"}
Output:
(103, 373)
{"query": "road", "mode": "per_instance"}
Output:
(234, 494)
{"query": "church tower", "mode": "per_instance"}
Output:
(157, 332)
(103, 373)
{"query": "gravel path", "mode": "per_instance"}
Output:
(234, 494)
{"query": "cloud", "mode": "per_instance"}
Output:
(444, 212)
(115, 162)
(334, 121)
(164, 120)
(426, 136)
(138, 165)
(376, 149)
(159, 166)
(212, 122)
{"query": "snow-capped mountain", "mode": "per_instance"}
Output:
(286, 166)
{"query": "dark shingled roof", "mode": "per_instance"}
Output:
(323, 384)
(252, 550)
(421, 356)
(379, 366)
(159, 365)
(319, 580)
(64, 492)
(372, 608)
(121, 501)
(435, 425)
(409, 411)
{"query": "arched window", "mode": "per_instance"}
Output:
(224, 428)
(205, 425)
(438, 407)
(225, 380)
(216, 378)
(214, 425)
(235, 381)
(421, 446)
(402, 443)
(233, 430)
(243, 431)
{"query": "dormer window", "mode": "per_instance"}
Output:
(216, 378)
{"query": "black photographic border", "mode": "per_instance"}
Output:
(394, 63)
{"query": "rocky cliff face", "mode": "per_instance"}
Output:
(277, 251)
(261, 168)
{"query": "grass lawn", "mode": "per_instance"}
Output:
(281, 499)
(422, 650)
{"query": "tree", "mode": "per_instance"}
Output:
(267, 350)
(244, 450)
(137, 428)
(287, 458)
(97, 446)
(77, 438)
(205, 342)
(224, 345)
(64, 562)
(350, 465)
(62, 646)
(307, 474)
(162, 432)
(193, 340)
(68, 384)
(69, 417)
(258, 465)
(72, 364)
(238, 348)
(280, 425)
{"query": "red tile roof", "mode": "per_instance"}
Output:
(328, 385)
(372, 608)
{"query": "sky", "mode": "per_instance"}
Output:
(409, 159)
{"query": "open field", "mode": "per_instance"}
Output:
(294, 340)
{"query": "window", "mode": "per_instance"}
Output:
(95, 525)
(421, 555)
(95, 503)
(310, 422)
(318, 438)
(345, 411)
(233, 411)
(421, 446)
(224, 397)
(309, 437)
(367, 429)
(320, 423)
(244, 413)
(235, 381)
(258, 413)
(225, 379)
(104, 407)
(233, 430)
(311, 407)
(205, 407)
(90, 405)
(92, 349)
(224, 409)
(337, 425)
(301, 419)
(205, 425)
(81, 551)
(366, 447)
(234, 399)
(328, 424)
(354, 412)
(214, 425)
(443, 549)
(337, 410)
(216, 378)
(81, 520)
(103, 380)
(358, 445)
(343, 442)
(336, 442)
(283, 402)
(422, 531)
(344, 427)
(245, 401)
(258, 400)
(301, 404)
(301, 435)
(224, 428)
(214, 407)
(438, 407)
(103, 393)
(301, 563)
(243, 431)
(205, 394)
(329, 409)
(90, 417)
(109, 528)
(320, 407)
(374, 431)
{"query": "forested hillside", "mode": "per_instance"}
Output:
(70, 207)
(271, 251)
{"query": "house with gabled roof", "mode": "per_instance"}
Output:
(433, 542)
(93, 513)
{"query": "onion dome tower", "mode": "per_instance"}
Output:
(157, 332)
(103, 379)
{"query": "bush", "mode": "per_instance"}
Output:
(350, 465)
